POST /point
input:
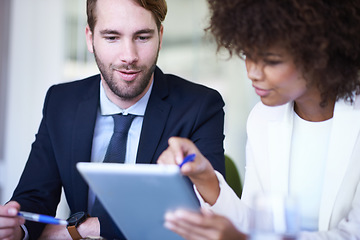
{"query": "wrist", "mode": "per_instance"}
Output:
(208, 187)
(74, 221)
(91, 227)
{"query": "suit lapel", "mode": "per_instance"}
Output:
(344, 133)
(156, 115)
(83, 130)
(279, 134)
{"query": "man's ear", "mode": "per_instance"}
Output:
(161, 32)
(89, 39)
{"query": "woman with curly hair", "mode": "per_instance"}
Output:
(303, 58)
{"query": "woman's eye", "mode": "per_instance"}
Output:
(271, 62)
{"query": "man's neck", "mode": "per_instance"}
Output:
(122, 102)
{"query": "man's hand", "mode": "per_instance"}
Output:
(10, 223)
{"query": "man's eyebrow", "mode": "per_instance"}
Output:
(114, 32)
(109, 31)
(147, 30)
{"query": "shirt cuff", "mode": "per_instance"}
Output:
(204, 204)
(26, 233)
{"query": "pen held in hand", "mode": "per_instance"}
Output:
(188, 158)
(42, 218)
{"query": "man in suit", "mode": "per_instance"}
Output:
(125, 37)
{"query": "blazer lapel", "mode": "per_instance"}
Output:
(83, 130)
(279, 134)
(156, 115)
(344, 133)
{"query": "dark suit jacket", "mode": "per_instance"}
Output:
(176, 107)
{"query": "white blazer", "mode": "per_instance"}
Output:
(269, 132)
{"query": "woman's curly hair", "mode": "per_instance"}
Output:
(323, 36)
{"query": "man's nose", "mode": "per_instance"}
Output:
(129, 53)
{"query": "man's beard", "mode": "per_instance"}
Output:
(131, 91)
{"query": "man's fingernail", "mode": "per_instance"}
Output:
(12, 211)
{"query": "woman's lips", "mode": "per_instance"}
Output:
(261, 92)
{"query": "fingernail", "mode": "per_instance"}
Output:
(179, 160)
(12, 211)
(179, 213)
(168, 225)
(169, 215)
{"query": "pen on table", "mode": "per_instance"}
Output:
(188, 158)
(42, 218)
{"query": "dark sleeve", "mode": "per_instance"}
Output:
(39, 188)
(208, 132)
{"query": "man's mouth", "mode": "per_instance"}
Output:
(128, 75)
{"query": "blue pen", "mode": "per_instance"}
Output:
(188, 158)
(42, 218)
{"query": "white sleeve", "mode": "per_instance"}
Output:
(229, 205)
(26, 233)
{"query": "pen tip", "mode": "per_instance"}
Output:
(63, 222)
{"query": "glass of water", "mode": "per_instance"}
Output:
(274, 217)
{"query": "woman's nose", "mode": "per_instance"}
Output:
(254, 70)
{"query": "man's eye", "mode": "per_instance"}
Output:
(110, 38)
(143, 38)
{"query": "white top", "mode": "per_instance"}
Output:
(307, 167)
(267, 165)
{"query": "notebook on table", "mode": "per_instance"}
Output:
(137, 196)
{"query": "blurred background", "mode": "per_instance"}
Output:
(42, 42)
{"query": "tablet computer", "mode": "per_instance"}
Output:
(137, 196)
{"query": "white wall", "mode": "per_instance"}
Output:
(4, 55)
(35, 62)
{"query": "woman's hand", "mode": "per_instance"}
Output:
(180, 148)
(204, 225)
(200, 171)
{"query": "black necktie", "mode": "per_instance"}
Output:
(116, 150)
(115, 153)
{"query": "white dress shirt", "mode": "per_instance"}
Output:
(104, 128)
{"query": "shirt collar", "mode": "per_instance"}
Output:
(109, 108)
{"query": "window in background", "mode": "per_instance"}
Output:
(4, 63)
(79, 62)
